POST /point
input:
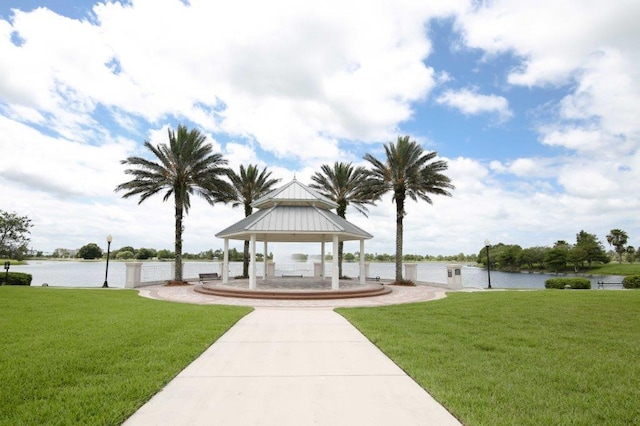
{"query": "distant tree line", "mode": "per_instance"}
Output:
(585, 252)
(93, 251)
(385, 257)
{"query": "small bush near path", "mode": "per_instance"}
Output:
(516, 357)
(93, 357)
(404, 282)
(562, 283)
(16, 278)
(631, 281)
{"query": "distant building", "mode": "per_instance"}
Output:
(62, 253)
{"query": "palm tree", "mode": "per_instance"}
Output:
(618, 238)
(249, 185)
(184, 167)
(345, 185)
(411, 172)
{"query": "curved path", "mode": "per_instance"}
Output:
(400, 294)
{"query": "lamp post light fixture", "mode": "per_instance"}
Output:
(487, 245)
(106, 272)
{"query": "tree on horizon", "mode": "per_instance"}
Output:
(407, 171)
(346, 185)
(185, 166)
(618, 238)
(592, 247)
(249, 185)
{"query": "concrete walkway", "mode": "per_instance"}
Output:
(292, 366)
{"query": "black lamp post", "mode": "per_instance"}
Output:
(487, 244)
(106, 272)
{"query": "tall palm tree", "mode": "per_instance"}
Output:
(346, 185)
(184, 167)
(249, 185)
(618, 238)
(408, 171)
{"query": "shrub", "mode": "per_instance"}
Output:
(404, 282)
(126, 255)
(576, 283)
(90, 251)
(16, 278)
(631, 281)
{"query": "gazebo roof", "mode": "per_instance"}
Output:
(294, 213)
(294, 194)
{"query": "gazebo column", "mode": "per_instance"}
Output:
(322, 259)
(225, 262)
(264, 262)
(252, 262)
(362, 271)
(335, 275)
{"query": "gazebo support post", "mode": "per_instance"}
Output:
(335, 275)
(362, 277)
(252, 262)
(264, 262)
(225, 262)
(322, 259)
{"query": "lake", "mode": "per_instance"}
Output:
(91, 274)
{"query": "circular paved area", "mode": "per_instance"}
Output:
(399, 295)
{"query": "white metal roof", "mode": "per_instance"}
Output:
(294, 213)
(294, 224)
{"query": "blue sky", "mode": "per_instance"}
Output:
(534, 109)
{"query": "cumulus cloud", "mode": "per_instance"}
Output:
(306, 66)
(553, 38)
(576, 43)
(66, 168)
(470, 102)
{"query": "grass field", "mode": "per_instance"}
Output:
(519, 358)
(94, 356)
(615, 268)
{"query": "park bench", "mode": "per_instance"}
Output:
(601, 284)
(291, 276)
(209, 276)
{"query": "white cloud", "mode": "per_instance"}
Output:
(470, 102)
(311, 66)
(560, 43)
(586, 183)
(67, 168)
(553, 38)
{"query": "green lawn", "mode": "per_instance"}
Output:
(94, 356)
(519, 357)
(13, 262)
(615, 268)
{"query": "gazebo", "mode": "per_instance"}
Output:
(293, 213)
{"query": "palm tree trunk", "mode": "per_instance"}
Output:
(245, 260)
(399, 230)
(178, 242)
